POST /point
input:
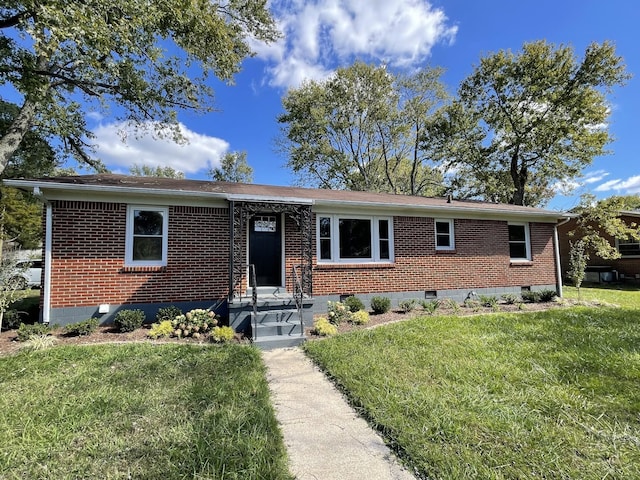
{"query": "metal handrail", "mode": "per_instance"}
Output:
(254, 299)
(298, 294)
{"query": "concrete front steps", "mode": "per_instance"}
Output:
(278, 320)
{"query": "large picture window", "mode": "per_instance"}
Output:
(146, 242)
(354, 239)
(519, 246)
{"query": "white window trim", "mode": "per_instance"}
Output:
(335, 239)
(452, 235)
(129, 261)
(527, 240)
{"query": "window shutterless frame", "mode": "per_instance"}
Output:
(354, 239)
(444, 234)
(147, 231)
(519, 242)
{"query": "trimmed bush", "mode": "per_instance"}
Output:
(11, 319)
(531, 297)
(222, 334)
(510, 298)
(167, 313)
(354, 304)
(488, 301)
(85, 327)
(360, 317)
(25, 332)
(380, 304)
(324, 328)
(194, 323)
(162, 329)
(129, 320)
(547, 295)
(407, 305)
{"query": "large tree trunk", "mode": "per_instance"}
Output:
(10, 142)
(519, 178)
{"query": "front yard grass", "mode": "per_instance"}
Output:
(138, 411)
(535, 395)
(621, 295)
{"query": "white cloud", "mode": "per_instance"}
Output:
(595, 177)
(320, 34)
(629, 186)
(119, 146)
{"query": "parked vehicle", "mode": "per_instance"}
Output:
(28, 274)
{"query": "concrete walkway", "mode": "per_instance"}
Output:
(325, 438)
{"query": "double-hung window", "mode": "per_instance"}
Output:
(343, 238)
(628, 247)
(519, 244)
(147, 232)
(445, 238)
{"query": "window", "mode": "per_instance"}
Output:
(628, 248)
(146, 242)
(519, 248)
(354, 239)
(445, 239)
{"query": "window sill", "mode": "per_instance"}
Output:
(143, 269)
(351, 266)
(521, 263)
(443, 251)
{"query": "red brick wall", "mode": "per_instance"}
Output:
(88, 253)
(629, 267)
(481, 259)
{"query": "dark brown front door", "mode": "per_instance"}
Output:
(265, 248)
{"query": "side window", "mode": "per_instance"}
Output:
(445, 238)
(519, 246)
(350, 239)
(147, 232)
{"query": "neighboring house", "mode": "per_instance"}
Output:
(115, 241)
(625, 268)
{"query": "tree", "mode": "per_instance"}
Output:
(10, 269)
(361, 130)
(600, 221)
(524, 121)
(233, 168)
(65, 56)
(159, 171)
(578, 258)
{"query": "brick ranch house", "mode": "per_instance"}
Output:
(626, 268)
(115, 241)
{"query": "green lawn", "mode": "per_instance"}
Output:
(138, 411)
(534, 395)
(624, 296)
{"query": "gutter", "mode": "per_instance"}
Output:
(48, 229)
(556, 251)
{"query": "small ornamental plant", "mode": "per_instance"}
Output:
(430, 306)
(510, 298)
(167, 313)
(407, 305)
(324, 328)
(25, 332)
(129, 320)
(194, 323)
(338, 312)
(354, 304)
(360, 317)
(85, 327)
(380, 304)
(222, 334)
(160, 330)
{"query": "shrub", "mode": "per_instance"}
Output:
(380, 304)
(39, 342)
(162, 329)
(407, 305)
(360, 317)
(354, 304)
(472, 304)
(547, 295)
(338, 313)
(25, 332)
(488, 301)
(510, 298)
(222, 334)
(324, 328)
(129, 320)
(85, 327)
(198, 321)
(451, 304)
(11, 319)
(430, 306)
(531, 297)
(167, 313)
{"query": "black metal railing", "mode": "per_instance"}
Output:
(298, 293)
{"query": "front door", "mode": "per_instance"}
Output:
(265, 249)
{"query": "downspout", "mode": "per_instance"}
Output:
(48, 240)
(556, 251)
(231, 243)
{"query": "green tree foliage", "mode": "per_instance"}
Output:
(233, 168)
(148, 171)
(361, 130)
(64, 56)
(578, 258)
(599, 223)
(523, 121)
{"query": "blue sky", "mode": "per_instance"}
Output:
(321, 35)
